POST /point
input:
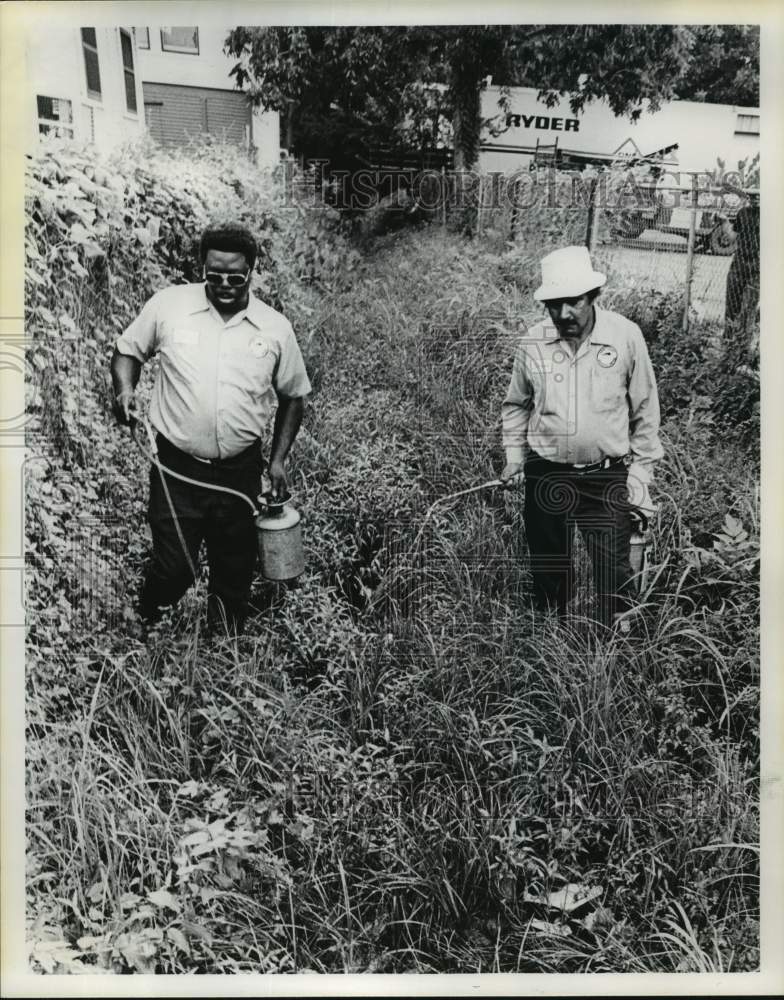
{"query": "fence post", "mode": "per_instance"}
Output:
(550, 181)
(690, 253)
(593, 217)
(443, 197)
(479, 197)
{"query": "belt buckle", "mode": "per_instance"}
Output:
(600, 466)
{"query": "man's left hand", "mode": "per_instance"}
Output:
(279, 485)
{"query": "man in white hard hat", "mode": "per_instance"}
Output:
(581, 429)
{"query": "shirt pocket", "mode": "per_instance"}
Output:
(548, 391)
(179, 348)
(179, 340)
(608, 389)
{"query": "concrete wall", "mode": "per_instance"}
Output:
(703, 131)
(209, 69)
(56, 68)
(265, 127)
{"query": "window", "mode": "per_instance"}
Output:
(92, 69)
(180, 40)
(142, 36)
(55, 116)
(128, 71)
(747, 124)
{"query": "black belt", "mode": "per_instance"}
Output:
(582, 470)
(166, 446)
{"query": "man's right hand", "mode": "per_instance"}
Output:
(513, 474)
(125, 408)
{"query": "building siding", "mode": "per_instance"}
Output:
(176, 114)
(209, 71)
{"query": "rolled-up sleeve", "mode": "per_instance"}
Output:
(516, 407)
(644, 417)
(140, 339)
(291, 377)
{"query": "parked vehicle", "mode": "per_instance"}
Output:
(714, 231)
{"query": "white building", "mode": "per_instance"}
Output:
(188, 92)
(694, 134)
(84, 83)
(107, 85)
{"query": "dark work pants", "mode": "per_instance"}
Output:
(557, 498)
(224, 522)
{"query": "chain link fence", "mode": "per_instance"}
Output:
(691, 237)
(698, 239)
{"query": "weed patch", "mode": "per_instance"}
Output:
(397, 769)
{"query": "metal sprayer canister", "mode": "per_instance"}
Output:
(639, 546)
(279, 536)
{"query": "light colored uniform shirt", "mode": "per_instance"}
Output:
(581, 408)
(217, 380)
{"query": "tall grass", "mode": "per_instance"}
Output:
(398, 766)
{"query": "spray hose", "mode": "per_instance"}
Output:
(152, 455)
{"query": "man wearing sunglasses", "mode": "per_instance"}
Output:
(225, 358)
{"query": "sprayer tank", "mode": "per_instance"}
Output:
(279, 534)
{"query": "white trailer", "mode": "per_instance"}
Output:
(689, 136)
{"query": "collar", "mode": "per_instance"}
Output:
(255, 311)
(603, 330)
(200, 302)
(252, 312)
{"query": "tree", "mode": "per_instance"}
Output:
(384, 78)
(723, 66)
(335, 87)
(626, 65)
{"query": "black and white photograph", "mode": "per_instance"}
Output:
(385, 426)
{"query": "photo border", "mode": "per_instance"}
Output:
(15, 17)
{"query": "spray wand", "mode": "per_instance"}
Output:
(452, 496)
(445, 499)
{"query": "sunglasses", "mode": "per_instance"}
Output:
(217, 279)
